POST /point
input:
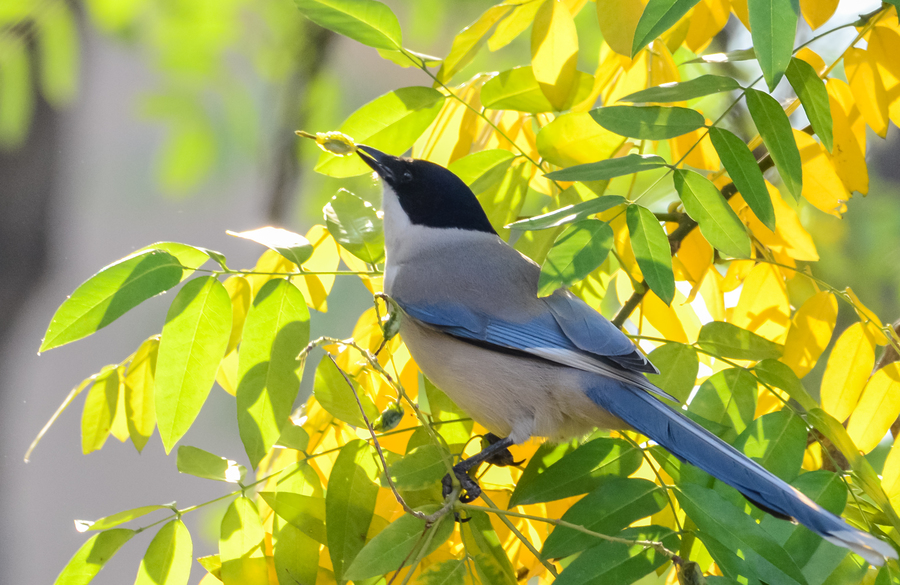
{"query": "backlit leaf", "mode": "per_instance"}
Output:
(486, 551)
(776, 441)
(116, 519)
(877, 409)
(678, 91)
(350, 503)
(421, 467)
(658, 17)
(574, 138)
(728, 398)
(580, 249)
(678, 366)
(618, 20)
(482, 170)
(57, 43)
(296, 554)
(355, 225)
(718, 223)
(92, 556)
(744, 172)
(727, 57)
(775, 129)
(111, 293)
(730, 341)
(822, 187)
(810, 332)
(336, 397)
(140, 385)
(391, 123)
(773, 26)
(554, 52)
(306, 513)
(200, 463)
(848, 369)
(242, 545)
(518, 89)
(366, 21)
(814, 97)
(609, 168)
(568, 214)
(867, 86)
(764, 307)
(776, 374)
(652, 251)
(648, 122)
(99, 409)
(168, 558)
(292, 246)
(467, 43)
(191, 347)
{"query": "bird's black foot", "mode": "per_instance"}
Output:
(501, 458)
(471, 491)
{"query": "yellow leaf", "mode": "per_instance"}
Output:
(740, 10)
(622, 242)
(878, 408)
(890, 477)
(663, 318)
(554, 52)
(711, 292)
(99, 409)
(662, 66)
(736, 273)
(575, 138)
(817, 12)
(703, 156)
(453, 131)
(822, 187)
(618, 19)
(709, 17)
(810, 56)
(884, 46)
(228, 371)
(119, 428)
(849, 131)
(513, 25)
(763, 306)
(372, 283)
(790, 237)
(849, 365)
(810, 332)
(635, 78)
(868, 89)
(325, 258)
(140, 406)
(241, 545)
(469, 40)
(693, 259)
(239, 290)
(869, 318)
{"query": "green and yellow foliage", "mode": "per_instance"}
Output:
(656, 207)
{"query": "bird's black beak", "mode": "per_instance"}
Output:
(376, 159)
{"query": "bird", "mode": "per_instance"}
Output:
(526, 366)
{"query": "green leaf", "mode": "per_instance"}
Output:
(294, 247)
(111, 293)
(648, 122)
(191, 257)
(609, 168)
(350, 503)
(16, 96)
(400, 540)
(608, 509)
(401, 58)
(99, 409)
(814, 97)
(773, 26)
(614, 563)
(192, 345)
(93, 554)
(114, 520)
(355, 225)
(727, 524)
(390, 123)
(242, 545)
(306, 513)
(718, 223)
(775, 373)
(336, 397)
(467, 43)
(658, 17)
(482, 545)
(140, 386)
(296, 554)
(517, 89)
(826, 489)
(168, 558)
(679, 91)
(728, 398)
(443, 410)
(482, 170)
(575, 472)
(727, 57)
(745, 173)
(776, 441)
(452, 572)
(200, 463)
(775, 129)
(293, 437)
(678, 366)
(580, 249)
(730, 341)
(420, 468)
(275, 332)
(568, 214)
(59, 54)
(366, 21)
(652, 251)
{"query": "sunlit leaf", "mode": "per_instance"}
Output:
(648, 122)
(609, 168)
(775, 129)
(776, 441)
(728, 398)
(99, 409)
(92, 556)
(390, 123)
(718, 223)
(652, 251)
(293, 437)
(773, 25)
(16, 97)
(878, 408)
(774, 373)
(59, 54)
(554, 53)
(140, 385)
(306, 513)
(658, 17)
(296, 554)
(191, 257)
(822, 186)
(191, 347)
(868, 89)
(677, 91)
(366, 21)
(200, 463)
(467, 43)
(242, 545)
(574, 138)
(618, 20)
(814, 97)
(421, 467)
(292, 246)
(482, 170)
(335, 395)
(452, 572)
(764, 307)
(350, 503)
(848, 369)
(810, 332)
(730, 341)
(518, 89)
(727, 57)
(111, 293)
(678, 366)
(355, 225)
(568, 214)
(745, 173)
(580, 249)
(486, 551)
(276, 331)
(116, 519)
(168, 558)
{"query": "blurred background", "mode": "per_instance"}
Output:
(126, 122)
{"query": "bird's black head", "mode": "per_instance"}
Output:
(430, 195)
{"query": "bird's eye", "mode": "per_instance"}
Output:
(406, 177)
